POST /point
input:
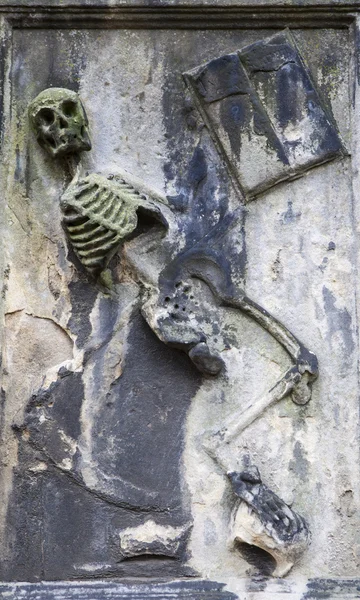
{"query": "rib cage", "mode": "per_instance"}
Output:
(98, 214)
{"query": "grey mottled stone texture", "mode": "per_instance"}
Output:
(113, 412)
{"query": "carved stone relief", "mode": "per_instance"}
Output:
(236, 96)
(99, 214)
(138, 437)
(262, 520)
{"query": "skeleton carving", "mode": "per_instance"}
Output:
(99, 214)
(200, 263)
(60, 122)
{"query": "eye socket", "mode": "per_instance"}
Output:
(46, 116)
(69, 108)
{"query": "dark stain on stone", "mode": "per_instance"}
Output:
(66, 72)
(268, 55)
(61, 403)
(235, 115)
(56, 525)
(276, 69)
(2, 410)
(179, 202)
(82, 297)
(287, 90)
(58, 530)
(24, 533)
(18, 169)
(194, 167)
(340, 320)
(195, 589)
(197, 168)
(290, 216)
(222, 77)
(63, 525)
(257, 583)
(3, 50)
(145, 413)
(324, 263)
(108, 313)
(356, 38)
(331, 588)
(260, 124)
(300, 464)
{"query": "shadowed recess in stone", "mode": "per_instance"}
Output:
(256, 557)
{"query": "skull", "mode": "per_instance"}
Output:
(60, 122)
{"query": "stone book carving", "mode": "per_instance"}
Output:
(251, 108)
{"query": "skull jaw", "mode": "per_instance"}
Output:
(71, 145)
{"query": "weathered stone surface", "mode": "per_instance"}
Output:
(129, 391)
(261, 107)
(261, 521)
(191, 590)
(260, 588)
(151, 539)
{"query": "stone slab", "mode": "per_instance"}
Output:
(192, 590)
(84, 513)
(185, 3)
(254, 589)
